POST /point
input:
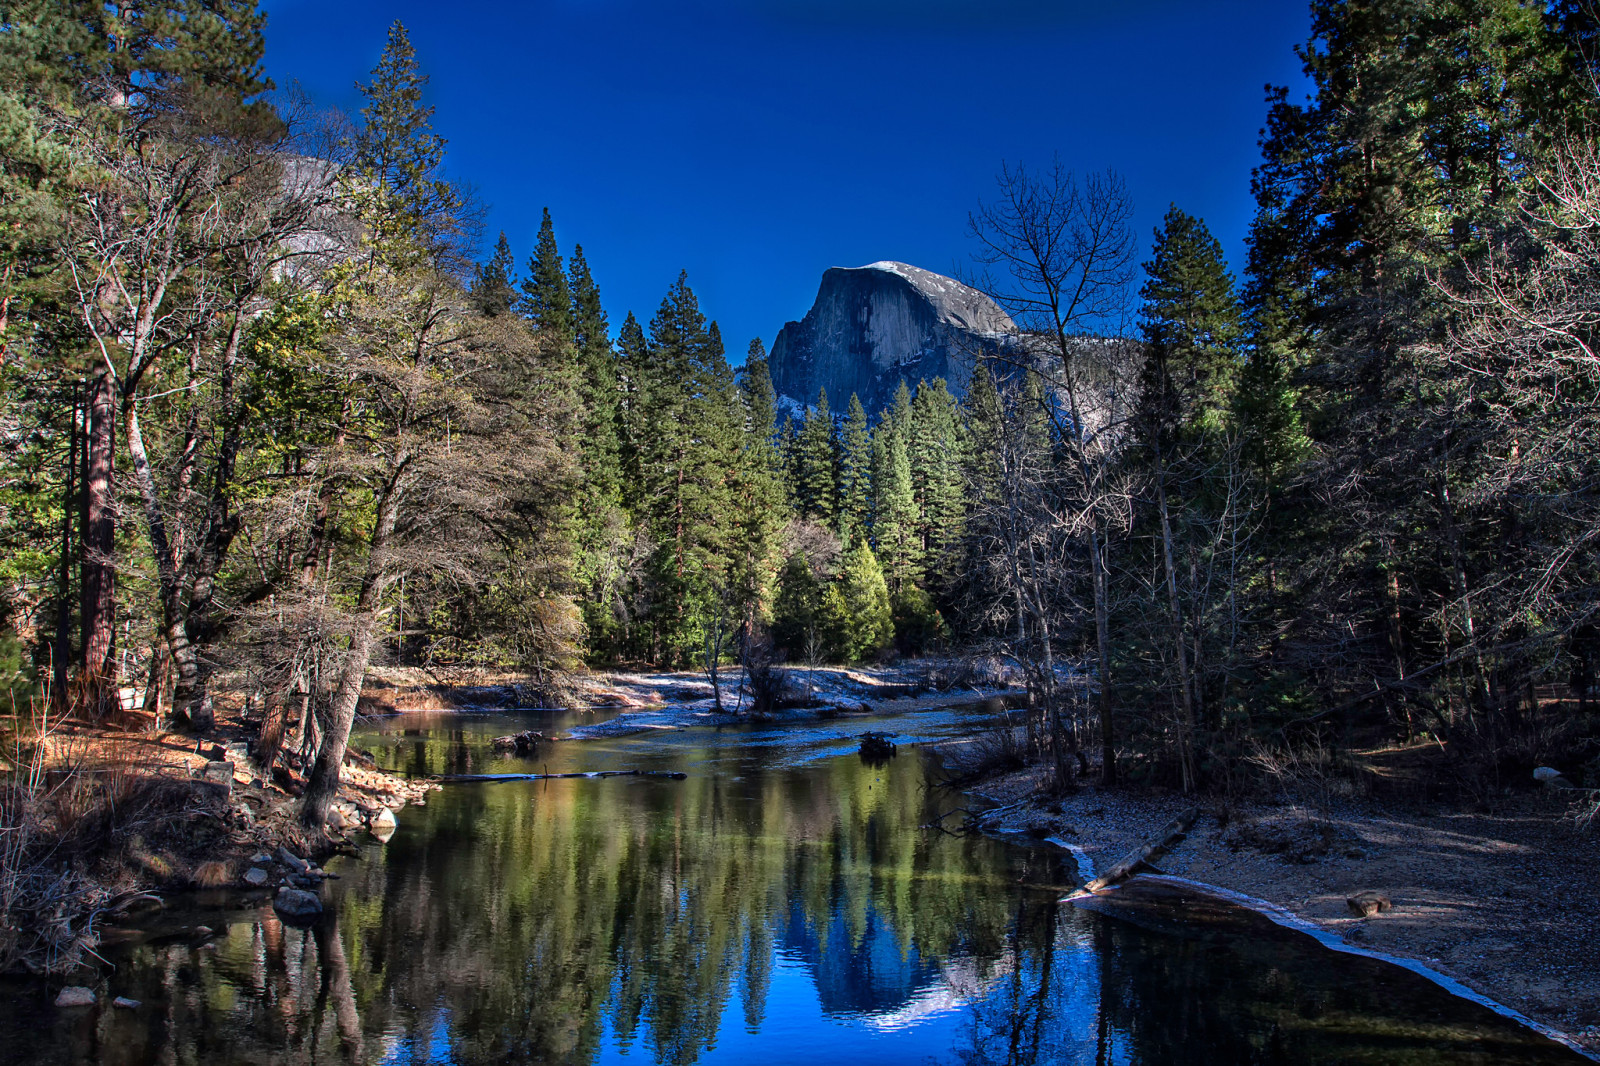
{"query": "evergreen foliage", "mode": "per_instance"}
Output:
(856, 609)
(855, 473)
(815, 464)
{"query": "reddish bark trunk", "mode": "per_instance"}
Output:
(98, 548)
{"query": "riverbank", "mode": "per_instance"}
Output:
(119, 820)
(1504, 902)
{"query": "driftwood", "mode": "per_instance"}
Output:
(1165, 841)
(671, 775)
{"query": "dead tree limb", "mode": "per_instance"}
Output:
(1169, 838)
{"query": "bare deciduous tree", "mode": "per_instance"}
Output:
(1064, 255)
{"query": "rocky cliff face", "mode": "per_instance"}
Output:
(875, 326)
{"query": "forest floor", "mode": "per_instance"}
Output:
(1506, 902)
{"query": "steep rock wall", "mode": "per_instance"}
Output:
(872, 327)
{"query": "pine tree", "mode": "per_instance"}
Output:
(1192, 331)
(934, 450)
(597, 364)
(984, 412)
(897, 520)
(760, 397)
(546, 296)
(602, 530)
(856, 610)
(494, 288)
(633, 354)
(1192, 328)
(855, 474)
(816, 483)
(689, 432)
(760, 497)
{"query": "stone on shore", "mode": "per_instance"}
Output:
(1367, 903)
(75, 996)
(255, 876)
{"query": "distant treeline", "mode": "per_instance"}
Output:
(266, 418)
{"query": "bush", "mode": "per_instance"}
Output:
(918, 625)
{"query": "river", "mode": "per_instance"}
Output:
(781, 904)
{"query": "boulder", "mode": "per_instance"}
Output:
(296, 906)
(1366, 903)
(75, 996)
(382, 825)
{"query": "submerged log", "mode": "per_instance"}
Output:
(1169, 838)
(671, 775)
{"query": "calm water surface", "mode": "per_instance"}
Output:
(781, 905)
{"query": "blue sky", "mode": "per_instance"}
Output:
(757, 144)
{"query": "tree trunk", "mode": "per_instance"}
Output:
(1186, 699)
(1102, 632)
(61, 653)
(98, 545)
(323, 781)
(179, 646)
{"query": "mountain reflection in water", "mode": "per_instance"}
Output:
(778, 906)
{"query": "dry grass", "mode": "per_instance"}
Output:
(983, 755)
(84, 817)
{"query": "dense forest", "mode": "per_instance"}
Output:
(270, 419)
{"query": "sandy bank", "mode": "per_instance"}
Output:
(1506, 903)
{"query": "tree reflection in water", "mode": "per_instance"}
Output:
(758, 910)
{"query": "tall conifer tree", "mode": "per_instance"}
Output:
(546, 296)
(816, 485)
(855, 473)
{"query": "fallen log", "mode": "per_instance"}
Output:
(671, 775)
(1169, 838)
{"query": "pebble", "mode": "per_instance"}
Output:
(75, 996)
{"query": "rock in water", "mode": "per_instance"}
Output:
(296, 906)
(877, 748)
(255, 876)
(125, 1003)
(875, 326)
(523, 743)
(75, 996)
